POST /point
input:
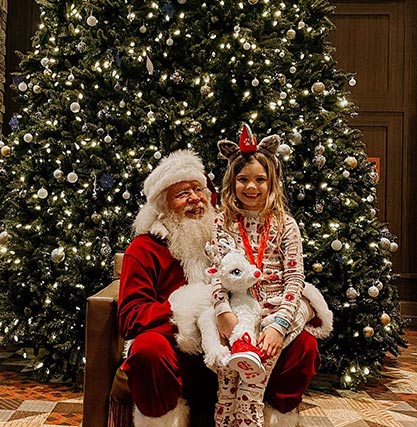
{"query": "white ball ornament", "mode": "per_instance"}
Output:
(373, 291)
(393, 247)
(384, 244)
(22, 86)
(211, 176)
(72, 177)
(107, 139)
(126, 195)
(284, 150)
(75, 107)
(157, 155)
(170, 42)
(58, 173)
(44, 62)
(58, 255)
(42, 193)
(122, 104)
(336, 245)
(346, 174)
(293, 70)
(92, 21)
(255, 82)
(291, 34)
(379, 285)
(352, 82)
(352, 293)
(301, 25)
(4, 237)
(27, 137)
(142, 29)
(246, 45)
(37, 89)
(70, 77)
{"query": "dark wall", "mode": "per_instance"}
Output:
(22, 22)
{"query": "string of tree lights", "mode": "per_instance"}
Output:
(111, 86)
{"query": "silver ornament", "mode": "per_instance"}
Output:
(373, 291)
(58, 255)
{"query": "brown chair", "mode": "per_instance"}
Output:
(107, 401)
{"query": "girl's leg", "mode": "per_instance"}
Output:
(226, 397)
(293, 372)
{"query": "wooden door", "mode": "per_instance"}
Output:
(376, 40)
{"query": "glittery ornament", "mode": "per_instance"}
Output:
(81, 46)
(177, 77)
(105, 247)
(5, 151)
(379, 284)
(318, 207)
(100, 131)
(351, 162)
(58, 255)
(368, 331)
(196, 126)
(205, 90)
(319, 161)
(37, 89)
(384, 319)
(318, 88)
(4, 237)
(282, 79)
(95, 217)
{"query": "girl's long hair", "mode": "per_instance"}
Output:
(275, 202)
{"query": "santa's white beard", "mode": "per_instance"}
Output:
(187, 240)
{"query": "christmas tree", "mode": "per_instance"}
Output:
(111, 86)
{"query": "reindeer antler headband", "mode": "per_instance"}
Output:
(248, 145)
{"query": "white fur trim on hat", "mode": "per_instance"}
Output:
(181, 165)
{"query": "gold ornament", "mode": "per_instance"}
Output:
(6, 151)
(368, 331)
(385, 319)
(318, 88)
(253, 1)
(351, 162)
(317, 267)
(95, 217)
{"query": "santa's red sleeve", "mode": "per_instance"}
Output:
(149, 275)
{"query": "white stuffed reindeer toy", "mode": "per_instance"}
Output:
(194, 314)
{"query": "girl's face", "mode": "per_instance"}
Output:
(252, 186)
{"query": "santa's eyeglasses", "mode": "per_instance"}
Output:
(186, 194)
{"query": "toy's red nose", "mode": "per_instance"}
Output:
(257, 273)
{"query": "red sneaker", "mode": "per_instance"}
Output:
(246, 359)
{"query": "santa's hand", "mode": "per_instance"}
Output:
(226, 323)
(270, 342)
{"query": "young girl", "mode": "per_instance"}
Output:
(254, 216)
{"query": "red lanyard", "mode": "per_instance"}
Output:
(262, 243)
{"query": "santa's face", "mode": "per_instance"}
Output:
(187, 199)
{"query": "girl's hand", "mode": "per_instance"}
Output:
(270, 341)
(225, 324)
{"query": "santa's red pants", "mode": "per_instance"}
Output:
(158, 374)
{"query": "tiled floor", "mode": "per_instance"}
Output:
(388, 402)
